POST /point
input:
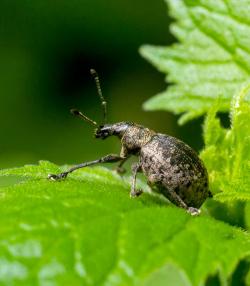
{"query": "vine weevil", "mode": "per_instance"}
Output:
(172, 168)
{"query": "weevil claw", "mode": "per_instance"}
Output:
(193, 211)
(135, 193)
(120, 170)
(53, 177)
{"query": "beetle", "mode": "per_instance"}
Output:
(172, 168)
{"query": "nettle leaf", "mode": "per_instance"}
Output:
(227, 152)
(86, 230)
(211, 60)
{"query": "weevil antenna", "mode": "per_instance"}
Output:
(79, 114)
(99, 91)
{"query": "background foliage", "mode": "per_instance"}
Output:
(211, 60)
(46, 51)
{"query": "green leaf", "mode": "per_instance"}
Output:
(86, 230)
(211, 60)
(227, 152)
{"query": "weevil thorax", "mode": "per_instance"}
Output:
(135, 137)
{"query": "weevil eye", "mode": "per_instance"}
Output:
(101, 133)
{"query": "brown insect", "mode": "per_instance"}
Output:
(172, 167)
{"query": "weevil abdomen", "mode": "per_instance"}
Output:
(172, 166)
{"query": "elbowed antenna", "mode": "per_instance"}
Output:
(99, 91)
(79, 114)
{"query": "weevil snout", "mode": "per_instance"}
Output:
(103, 132)
(117, 129)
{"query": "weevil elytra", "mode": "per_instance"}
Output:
(171, 167)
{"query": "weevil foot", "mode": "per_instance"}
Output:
(193, 211)
(53, 177)
(120, 170)
(135, 193)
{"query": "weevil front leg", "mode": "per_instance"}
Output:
(125, 155)
(119, 169)
(136, 168)
(111, 158)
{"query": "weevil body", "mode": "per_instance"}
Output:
(171, 167)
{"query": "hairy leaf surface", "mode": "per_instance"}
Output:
(227, 152)
(211, 60)
(86, 230)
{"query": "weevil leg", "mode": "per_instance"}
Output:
(135, 169)
(111, 158)
(176, 199)
(119, 169)
(193, 211)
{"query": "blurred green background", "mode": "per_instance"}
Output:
(46, 51)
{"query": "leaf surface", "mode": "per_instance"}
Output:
(211, 60)
(227, 152)
(86, 230)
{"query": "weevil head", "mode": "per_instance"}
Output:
(103, 130)
(116, 129)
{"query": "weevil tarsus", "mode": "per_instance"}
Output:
(193, 211)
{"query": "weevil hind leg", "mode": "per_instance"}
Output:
(173, 197)
(176, 199)
(111, 158)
